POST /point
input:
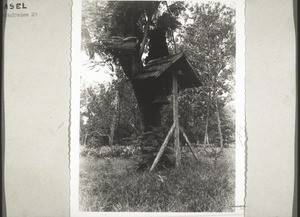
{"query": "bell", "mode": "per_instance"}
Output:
(161, 99)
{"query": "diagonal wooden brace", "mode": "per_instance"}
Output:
(163, 147)
(188, 142)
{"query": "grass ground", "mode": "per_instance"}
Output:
(196, 186)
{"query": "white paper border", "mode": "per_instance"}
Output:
(240, 123)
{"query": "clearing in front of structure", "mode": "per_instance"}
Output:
(196, 186)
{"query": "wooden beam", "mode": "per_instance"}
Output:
(188, 143)
(129, 44)
(176, 120)
(163, 147)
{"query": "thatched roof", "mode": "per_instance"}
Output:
(157, 68)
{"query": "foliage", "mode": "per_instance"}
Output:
(97, 110)
(110, 151)
(95, 113)
(209, 41)
(104, 19)
(194, 187)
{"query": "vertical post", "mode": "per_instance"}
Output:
(176, 120)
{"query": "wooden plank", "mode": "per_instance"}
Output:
(188, 143)
(163, 147)
(176, 120)
(129, 44)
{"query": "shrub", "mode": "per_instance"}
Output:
(110, 151)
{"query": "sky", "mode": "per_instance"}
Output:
(93, 76)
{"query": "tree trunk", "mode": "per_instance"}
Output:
(149, 112)
(85, 138)
(127, 48)
(206, 141)
(114, 119)
(218, 113)
(219, 125)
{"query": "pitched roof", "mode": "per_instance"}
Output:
(155, 68)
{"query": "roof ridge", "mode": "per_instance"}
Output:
(151, 62)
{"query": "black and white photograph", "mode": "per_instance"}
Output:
(149, 108)
(159, 108)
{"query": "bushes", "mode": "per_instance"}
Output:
(110, 151)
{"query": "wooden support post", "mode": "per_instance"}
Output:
(176, 120)
(188, 143)
(162, 148)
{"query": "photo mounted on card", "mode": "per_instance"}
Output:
(157, 111)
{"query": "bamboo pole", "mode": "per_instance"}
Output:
(163, 147)
(188, 143)
(176, 120)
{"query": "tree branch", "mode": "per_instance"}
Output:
(116, 43)
(145, 36)
(148, 15)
